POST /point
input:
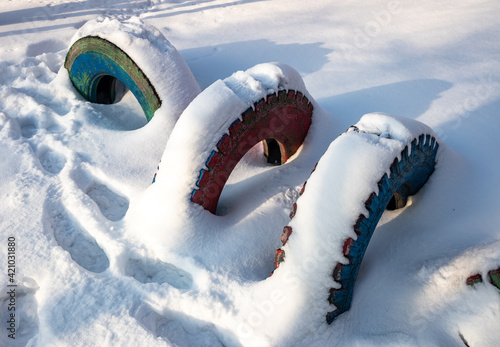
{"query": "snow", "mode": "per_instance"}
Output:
(105, 258)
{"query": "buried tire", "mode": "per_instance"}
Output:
(95, 64)
(268, 102)
(402, 172)
(280, 120)
(407, 176)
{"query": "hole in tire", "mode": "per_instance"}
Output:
(105, 90)
(273, 151)
(391, 206)
(120, 106)
(120, 90)
(399, 199)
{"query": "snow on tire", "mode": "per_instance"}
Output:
(94, 65)
(268, 103)
(280, 120)
(106, 50)
(375, 165)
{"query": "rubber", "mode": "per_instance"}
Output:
(282, 120)
(94, 64)
(493, 275)
(407, 175)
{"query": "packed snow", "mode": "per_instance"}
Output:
(105, 258)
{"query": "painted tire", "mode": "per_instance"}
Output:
(494, 277)
(407, 176)
(280, 120)
(94, 64)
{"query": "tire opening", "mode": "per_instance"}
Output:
(126, 112)
(272, 151)
(391, 206)
(399, 199)
(105, 90)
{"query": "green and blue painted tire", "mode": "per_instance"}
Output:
(94, 64)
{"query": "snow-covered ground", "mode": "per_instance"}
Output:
(99, 263)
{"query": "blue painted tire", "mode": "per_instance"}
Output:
(94, 64)
(407, 176)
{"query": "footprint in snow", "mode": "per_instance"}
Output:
(156, 271)
(51, 160)
(28, 128)
(70, 235)
(112, 205)
(45, 119)
(26, 317)
(178, 329)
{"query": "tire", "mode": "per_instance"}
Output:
(280, 120)
(407, 175)
(94, 64)
(495, 277)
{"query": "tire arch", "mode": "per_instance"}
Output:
(281, 121)
(409, 171)
(94, 64)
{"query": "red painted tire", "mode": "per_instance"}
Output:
(281, 120)
(268, 102)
